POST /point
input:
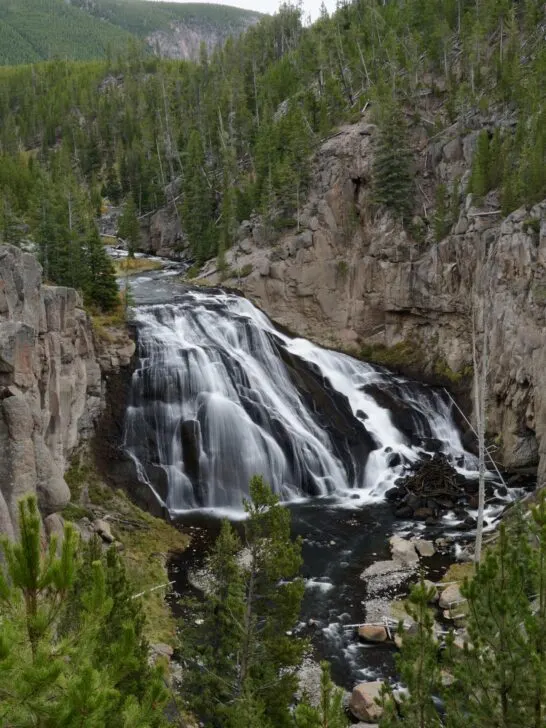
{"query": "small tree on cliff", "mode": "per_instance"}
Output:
(56, 670)
(391, 174)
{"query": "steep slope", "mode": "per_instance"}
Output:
(362, 283)
(174, 30)
(33, 30)
(50, 384)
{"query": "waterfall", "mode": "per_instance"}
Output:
(219, 394)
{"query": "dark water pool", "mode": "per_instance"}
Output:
(338, 544)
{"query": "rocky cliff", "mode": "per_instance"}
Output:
(355, 280)
(51, 383)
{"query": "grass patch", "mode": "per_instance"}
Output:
(109, 240)
(147, 542)
(193, 271)
(132, 266)
(459, 572)
(405, 353)
(73, 512)
(146, 550)
(442, 369)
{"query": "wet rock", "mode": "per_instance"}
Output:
(372, 633)
(403, 551)
(363, 701)
(424, 548)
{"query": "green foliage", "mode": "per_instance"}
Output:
(243, 653)
(231, 135)
(442, 221)
(418, 667)
(33, 30)
(329, 713)
(392, 176)
(498, 678)
(70, 636)
(129, 227)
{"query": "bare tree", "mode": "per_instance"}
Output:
(480, 396)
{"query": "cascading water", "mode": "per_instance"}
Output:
(220, 395)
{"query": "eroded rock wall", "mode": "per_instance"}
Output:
(348, 279)
(50, 384)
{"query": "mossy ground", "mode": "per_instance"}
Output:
(132, 266)
(147, 542)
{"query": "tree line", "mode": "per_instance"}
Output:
(232, 134)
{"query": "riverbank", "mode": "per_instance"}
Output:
(146, 543)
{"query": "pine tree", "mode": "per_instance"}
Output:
(392, 180)
(129, 227)
(418, 666)
(479, 179)
(492, 675)
(329, 713)
(243, 654)
(197, 206)
(55, 668)
(441, 220)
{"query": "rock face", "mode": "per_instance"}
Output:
(50, 385)
(348, 279)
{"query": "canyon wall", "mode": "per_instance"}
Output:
(51, 384)
(356, 280)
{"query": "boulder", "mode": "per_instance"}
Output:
(403, 551)
(451, 597)
(372, 633)
(363, 703)
(424, 548)
(54, 525)
(102, 528)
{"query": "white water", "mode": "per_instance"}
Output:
(213, 403)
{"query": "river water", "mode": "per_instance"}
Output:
(220, 394)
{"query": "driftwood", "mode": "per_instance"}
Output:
(154, 588)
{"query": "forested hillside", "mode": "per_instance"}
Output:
(233, 134)
(34, 30)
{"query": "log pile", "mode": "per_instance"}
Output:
(433, 489)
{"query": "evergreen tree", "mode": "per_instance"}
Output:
(493, 685)
(243, 653)
(196, 206)
(55, 669)
(392, 178)
(329, 713)
(418, 667)
(441, 220)
(129, 227)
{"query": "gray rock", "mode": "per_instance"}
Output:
(363, 701)
(451, 597)
(54, 525)
(423, 547)
(403, 551)
(102, 528)
(453, 150)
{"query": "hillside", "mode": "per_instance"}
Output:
(34, 30)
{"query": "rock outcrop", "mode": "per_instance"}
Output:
(351, 280)
(50, 385)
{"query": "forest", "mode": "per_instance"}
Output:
(234, 133)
